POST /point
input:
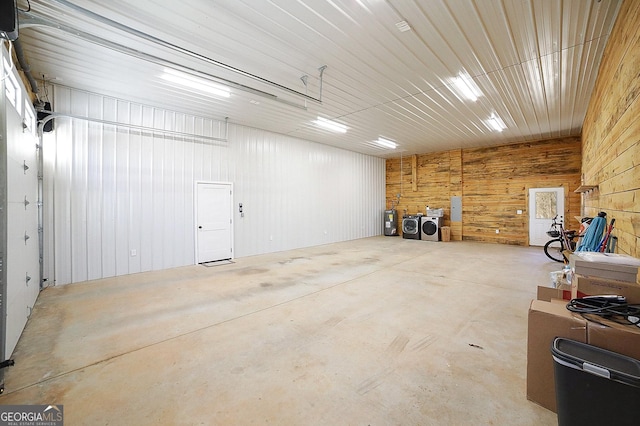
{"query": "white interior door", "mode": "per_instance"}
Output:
(544, 204)
(214, 236)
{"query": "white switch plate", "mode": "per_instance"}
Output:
(134, 253)
(519, 211)
(497, 231)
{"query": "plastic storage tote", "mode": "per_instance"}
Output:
(595, 386)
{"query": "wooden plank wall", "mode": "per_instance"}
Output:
(496, 185)
(493, 183)
(611, 133)
(431, 183)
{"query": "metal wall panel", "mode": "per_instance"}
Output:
(120, 200)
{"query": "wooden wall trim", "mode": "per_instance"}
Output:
(414, 173)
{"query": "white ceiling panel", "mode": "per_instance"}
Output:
(535, 62)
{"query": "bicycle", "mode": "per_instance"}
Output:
(562, 244)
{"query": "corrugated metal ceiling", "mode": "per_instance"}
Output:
(534, 61)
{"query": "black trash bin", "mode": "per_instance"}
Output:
(595, 386)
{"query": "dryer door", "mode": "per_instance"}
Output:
(429, 227)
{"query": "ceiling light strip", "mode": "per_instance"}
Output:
(466, 87)
(330, 125)
(386, 143)
(196, 83)
(495, 123)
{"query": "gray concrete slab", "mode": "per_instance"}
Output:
(374, 331)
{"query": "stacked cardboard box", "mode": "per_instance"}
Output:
(593, 274)
(548, 320)
(583, 285)
(605, 273)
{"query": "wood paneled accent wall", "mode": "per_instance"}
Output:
(496, 184)
(432, 185)
(493, 184)
(611, 133)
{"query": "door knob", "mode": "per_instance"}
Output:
(199, 227)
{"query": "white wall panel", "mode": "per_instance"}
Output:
(135, 189)
(311, 194)
(144, 226)
(94, 203)
(113, 190)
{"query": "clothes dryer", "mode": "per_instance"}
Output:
(430, 228)
(411, 227)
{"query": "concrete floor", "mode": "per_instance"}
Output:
(376, 331)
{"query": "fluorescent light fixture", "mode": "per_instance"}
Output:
(194, 82)
(495, 123)
(386, 143)
(466, 87)
(330, 125)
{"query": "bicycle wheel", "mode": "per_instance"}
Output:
(553, 249)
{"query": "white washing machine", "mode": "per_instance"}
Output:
(411, 227)
(430, 228)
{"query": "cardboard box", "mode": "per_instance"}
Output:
(582, 285)
(619, 338)
(562, 292)
(546, 322)
(620, 267)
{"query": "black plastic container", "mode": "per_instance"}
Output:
(595, 386)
